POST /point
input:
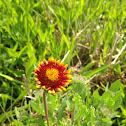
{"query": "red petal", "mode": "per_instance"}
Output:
(59, 89)
(67, 77)
(44, 61)
(63, 88)
(51, 61)
(67, 72)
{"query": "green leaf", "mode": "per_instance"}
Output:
(81, 113)
(32, 60)
(17, 123)
(11, 79)
(92, 115)
(66, 41)
(123, 109)
(9, 114)
(30, 67)
(15, 47)
(52, 104)
(31, 50)
(117, 95)
(93, 72)
(20, 97)
(22, 50)
(77, 99)
(117, 103)
(25, 118)
(37, 108)
(115, 86)
(52, 10)
(4, 100)
(106, 120)
(17, 113)
(38, 120)
(61, 112)
(87, 67)
(106, 96)
(11, 52)
(117, 68)
(96, 97)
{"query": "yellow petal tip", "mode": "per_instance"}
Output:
(49, 91)
(38, 82)
(63, 88)
(43, 87)
(36, 79)
(53, 92)
(35, 70)
(37, 86)
(44, 61)
(39, 64)
(65, 66)
(59, 89)
(35, 74)
(69, 76)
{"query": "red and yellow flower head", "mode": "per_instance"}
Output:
(52, 76)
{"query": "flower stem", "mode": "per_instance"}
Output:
(73, 116)
(46, 109)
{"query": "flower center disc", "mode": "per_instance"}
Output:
(52, 74)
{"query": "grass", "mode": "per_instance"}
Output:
(93, 31)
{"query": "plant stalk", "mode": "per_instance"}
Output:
(46, 108)
(73, 116)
